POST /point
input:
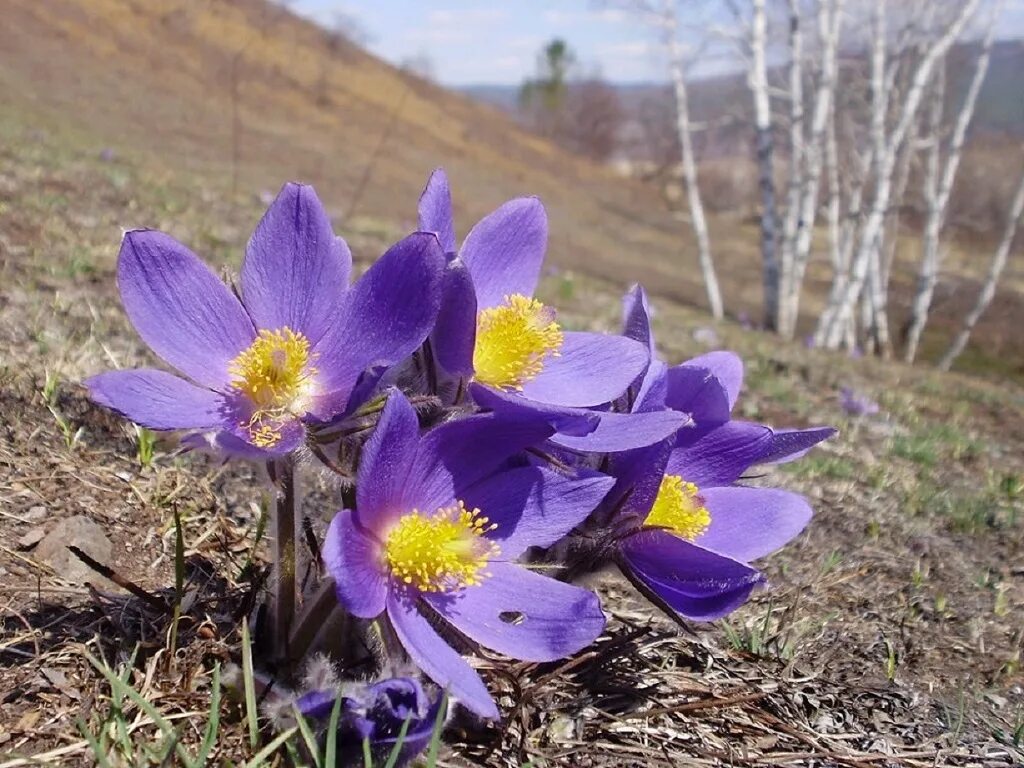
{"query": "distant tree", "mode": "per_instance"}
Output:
(581, 112)
(593, 119)
(420, 65)
(556, 63)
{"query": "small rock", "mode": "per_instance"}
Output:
(35, 513)
(88, 536)
(31, 538)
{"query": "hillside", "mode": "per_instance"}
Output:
(244, 94)
(891, 633)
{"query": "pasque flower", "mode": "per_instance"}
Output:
(676, 522)
(438, 523)
(375, 713)
(492, 332)
(295, 348)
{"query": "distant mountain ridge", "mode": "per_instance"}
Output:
(1000, 107)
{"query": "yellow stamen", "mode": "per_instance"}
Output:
(679, 508)
(441, 552)
(512, 341)
(275, 375)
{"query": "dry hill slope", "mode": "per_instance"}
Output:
(157, 76)
(246, 95)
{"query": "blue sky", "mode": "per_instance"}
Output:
(470, 41)
(475, 41)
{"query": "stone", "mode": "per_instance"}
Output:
(88, 536)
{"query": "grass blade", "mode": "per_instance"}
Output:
(213, 724)
(271, 748)
(435, 737)
(397, 749)
(140, 701)
(331, 750)
(98, 752)
(249, 683)
(307, 736)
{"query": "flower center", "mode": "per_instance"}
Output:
(441, 552)
(275, 376)
(512, 341)
(680, 508)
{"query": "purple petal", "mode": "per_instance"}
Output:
(454, 334)
(592, 369)
(791, 444)
(454, 456)
(721, 456)
(638, 477)
(695, 582)
(180, 308)
(157, 400)
(505, 250)
(352, 558)
(435, 657)
(389, 312)
(435, 210)
(748, 523)
(697, 392)
(636, 318)
(532, 506)
(725, 366)
(625, 431)
(296, 271)
(385, 464)
(566, 421)
(652, 390)
(523, 614)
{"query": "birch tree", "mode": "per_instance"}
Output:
(765, 143)
(804, 201)
(866, 257)
(988, 288)
(939, 189)
(670, 22)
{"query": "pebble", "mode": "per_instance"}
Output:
(88, 536)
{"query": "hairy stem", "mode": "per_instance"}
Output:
(282, 598)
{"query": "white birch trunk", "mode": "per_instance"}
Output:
(939, 193)
(697, 218)
(884, 175)
(833, 325)
(835, 201)
(988, 288)
(787, 244)
(822, 133)
(758, 80)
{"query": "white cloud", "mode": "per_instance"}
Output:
(564, 18)
(629, 50)
(437, 35)
(472, 16)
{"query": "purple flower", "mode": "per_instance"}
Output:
(685, 534)
(680, 528)
(291, 351)
(857, 404)
(439, 521)
(375, 713)
(706, 388)
(494, 331)
(509, 345)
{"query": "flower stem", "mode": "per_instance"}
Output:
(283, 522)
